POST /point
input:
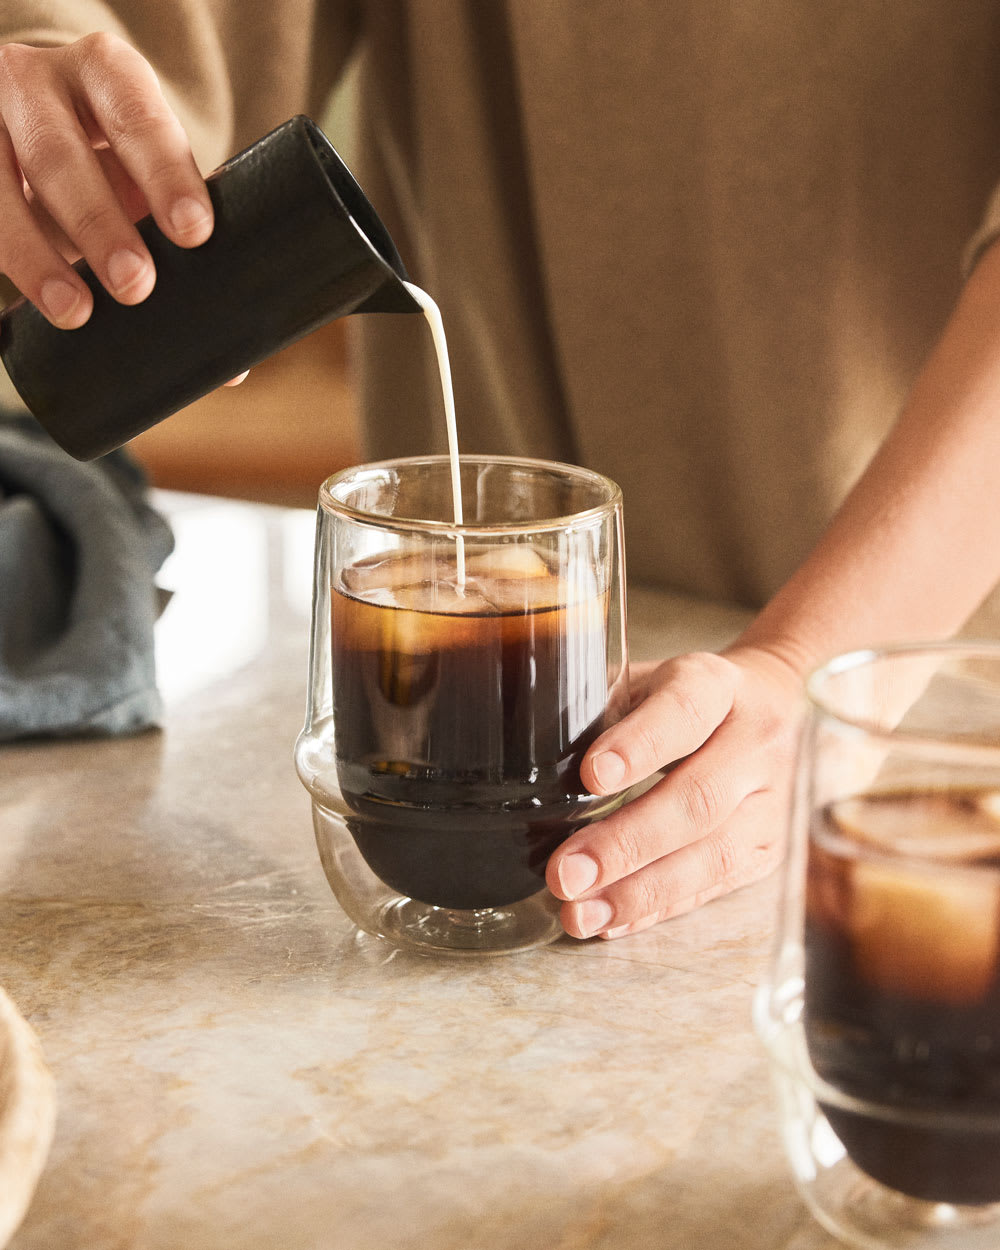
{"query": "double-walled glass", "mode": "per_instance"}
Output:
(458, 673)
(882, 1015)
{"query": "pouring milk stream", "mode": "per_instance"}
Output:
(432, 315)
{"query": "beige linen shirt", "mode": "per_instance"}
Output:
(702, 246)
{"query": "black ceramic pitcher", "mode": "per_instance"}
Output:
(295, 244)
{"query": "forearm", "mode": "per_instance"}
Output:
(910, 555)
(916, 545)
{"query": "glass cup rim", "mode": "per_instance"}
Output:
(585, 516)
(862, 657)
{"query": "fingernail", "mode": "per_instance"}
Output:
(576, 873)
(189, 216)
(609, 769)
(593, 916)
(125, 268)
(60, 298)
(619, 931)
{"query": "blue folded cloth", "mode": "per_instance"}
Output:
(79, 548)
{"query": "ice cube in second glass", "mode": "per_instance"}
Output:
(927, 928)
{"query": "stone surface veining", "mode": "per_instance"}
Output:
(237, 1066)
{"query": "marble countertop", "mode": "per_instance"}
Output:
(237, 1066)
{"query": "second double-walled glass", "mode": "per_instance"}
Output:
(457, 676)
(882, 1014)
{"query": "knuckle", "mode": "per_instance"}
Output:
(43, 146)
(133, 118)
(647, 896)
(706, 664)
(649, 747)
(101, 48)
(692, 675)
(93, 219)
(13, 57)
(628, 850)
(702, 801)
(124, 86)
(724, 859)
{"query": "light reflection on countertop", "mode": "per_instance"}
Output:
(233, 568)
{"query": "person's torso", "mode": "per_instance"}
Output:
(702, 247)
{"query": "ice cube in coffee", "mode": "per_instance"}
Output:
(902, 995)
(463, 707)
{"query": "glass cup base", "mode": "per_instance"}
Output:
(490, 931)
(846, 1201)
(385, 913)
(863, 1213)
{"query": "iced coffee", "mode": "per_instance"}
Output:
(464, 700)
(902, 993)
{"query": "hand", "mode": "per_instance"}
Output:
(729, 724)
(88, 145)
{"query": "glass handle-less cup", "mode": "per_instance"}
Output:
(457, 676)
(296, 244)
(882, 1013)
